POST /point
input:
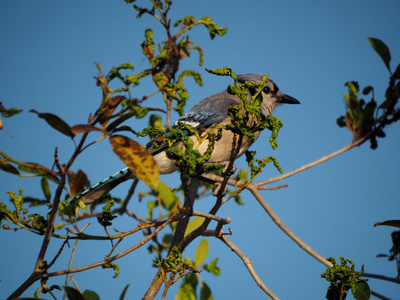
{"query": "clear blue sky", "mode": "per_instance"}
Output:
(310, 49)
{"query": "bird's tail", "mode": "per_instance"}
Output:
(103, 187)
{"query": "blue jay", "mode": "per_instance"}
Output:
(205, 114)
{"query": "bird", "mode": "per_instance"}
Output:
(205, 114)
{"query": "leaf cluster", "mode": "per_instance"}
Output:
(342, 278)
(35, 223)
(244, 115)
(394, 252)
(186, 269)
(368, 119)
(7, 113)
(118, 104)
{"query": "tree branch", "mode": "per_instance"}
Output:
(391, 279)
(190, 195)
(253, 189)
(249, 265)
(115, 257)
(314, 163)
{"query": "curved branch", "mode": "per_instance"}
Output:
(249, 265)
(391, 279)
(115, 257)
(314, 163)
(253, 189)
(379, 296)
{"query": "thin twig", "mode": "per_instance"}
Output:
(273, 187)
(49, 230)
(314, 163)
(391, 279)
(233, 182)
(212, 217)
(249, 265)
(253, 189)
(75, 284)
(70, 266)
(57, 255)
(119, 255)
(379, 296)
(122, 209)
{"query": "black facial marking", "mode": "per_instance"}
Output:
(276, 89)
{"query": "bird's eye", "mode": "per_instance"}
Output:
(266, 90)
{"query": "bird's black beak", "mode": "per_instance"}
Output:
(287, 99)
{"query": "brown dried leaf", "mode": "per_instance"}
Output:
(76, 182)
(56, 122)
(81, 128)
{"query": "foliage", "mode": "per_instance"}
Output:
(116, 106)
(7, 113)
(368, 120)
(395, 250)
(343, 278)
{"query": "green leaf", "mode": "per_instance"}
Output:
(17, 201)
(185, 293)
(45, 188)
(382, 255)
(6, 113)
(213, 268)
(196, 76)
(393, 223)
(55, 122)
(187, 290)
(114, 267)
(35, 201)
(90, 295)
(122, 297)
(194, 224)
(201, 253)
(5, 166)
(361, 290)
(212, 27)
(383, 51)
(167, 197)
(150, 207)
(160, 80)
(66, 208)
(353, 104)
(201, 54)
(276, 126)
(73, 294)
(205, 292)
(396, 74)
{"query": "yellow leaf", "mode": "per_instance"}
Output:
(194, 224)
(138, 160)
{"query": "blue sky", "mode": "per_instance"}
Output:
(309, 48)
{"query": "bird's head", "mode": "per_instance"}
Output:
(271, 94)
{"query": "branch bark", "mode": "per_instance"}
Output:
(278, 222)
(249, 265)
(190, 196)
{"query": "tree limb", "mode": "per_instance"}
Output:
(249, 265)
(253, 189)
